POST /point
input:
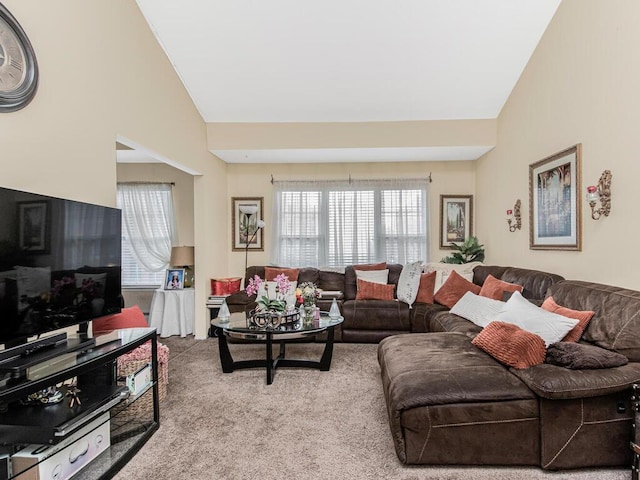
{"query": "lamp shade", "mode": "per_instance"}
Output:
(182, 256)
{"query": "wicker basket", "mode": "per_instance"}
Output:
(131, 363)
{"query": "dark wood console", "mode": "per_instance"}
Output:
(104, 399)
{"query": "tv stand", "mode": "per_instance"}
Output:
(132, 420)
(17, 360)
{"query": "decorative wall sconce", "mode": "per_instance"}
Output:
(516, 215)
(601, 192)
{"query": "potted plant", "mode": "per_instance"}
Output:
(466, 252)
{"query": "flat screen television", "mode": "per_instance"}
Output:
(60, 264)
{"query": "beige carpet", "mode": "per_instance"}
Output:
(306, 425)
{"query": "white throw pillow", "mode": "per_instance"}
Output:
(375, 276)
(409, 282)
(443, 270)
(521, 312)
(477, 309)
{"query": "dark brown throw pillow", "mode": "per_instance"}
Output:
(582, 356)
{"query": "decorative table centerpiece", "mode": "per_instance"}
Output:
(307, 294)
(271, 312)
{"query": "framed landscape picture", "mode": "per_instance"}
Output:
(456, 219)
(554, 186)
(245, 214)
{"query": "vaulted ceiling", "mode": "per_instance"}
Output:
(274, 61)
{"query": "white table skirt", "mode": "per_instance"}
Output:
(172, 312)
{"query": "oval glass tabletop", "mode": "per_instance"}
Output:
(239, 322)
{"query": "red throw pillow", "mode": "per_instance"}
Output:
(511, 345)
(495, 288)
(426, 288)
(374, 291)
(131, 317)
(454, 289)
(270, 273)
(583, 318)
(371, 266)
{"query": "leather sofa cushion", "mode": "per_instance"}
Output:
(422, 315)
(556, 383)
(534, 282)
(446, 321)
(616, 323)
(332, 281)
(443, 368)
(376, 315)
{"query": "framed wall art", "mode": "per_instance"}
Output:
(456, 219)
(554, 216)
(246, 213)
(34, 226)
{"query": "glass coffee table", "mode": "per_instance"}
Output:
(238, 327)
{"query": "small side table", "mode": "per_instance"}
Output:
(172, 312)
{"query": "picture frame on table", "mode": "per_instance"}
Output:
(246, 212)
(34, 226)
(456, 219)
(555, 217)
(174, 279)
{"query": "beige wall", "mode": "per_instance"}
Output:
(103, 74)
(255, 181)
(580, 86)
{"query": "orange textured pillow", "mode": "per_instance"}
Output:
(270, 273)
(426, 288)
(495, 288)
(583, 318)
(371, 266)
(131, 317)
(374, 291)
(453, 289)
(511, 345)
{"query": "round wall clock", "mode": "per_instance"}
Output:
(18, 66)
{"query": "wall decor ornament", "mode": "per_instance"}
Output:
(555, 214)
(601, 193)
(514, 223)
(456, 219)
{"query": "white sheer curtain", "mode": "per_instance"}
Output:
(338, 223)
(148, 222)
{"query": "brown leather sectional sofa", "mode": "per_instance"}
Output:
(451, 403)
(365, 321)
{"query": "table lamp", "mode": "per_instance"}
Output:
(183, 257)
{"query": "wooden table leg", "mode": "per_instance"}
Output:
(226, 360)
(325, 361)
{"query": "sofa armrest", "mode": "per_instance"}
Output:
(559, 383)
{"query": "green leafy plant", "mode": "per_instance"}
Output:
(468, 251)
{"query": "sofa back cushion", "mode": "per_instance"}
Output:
(331, 280)
(534, 282)
(616, 322)
(350, 278)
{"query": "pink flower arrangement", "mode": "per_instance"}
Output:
(283, 285)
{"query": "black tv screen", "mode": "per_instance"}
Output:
(60, 263)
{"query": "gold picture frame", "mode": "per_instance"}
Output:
(555, 216)
(456, 219)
